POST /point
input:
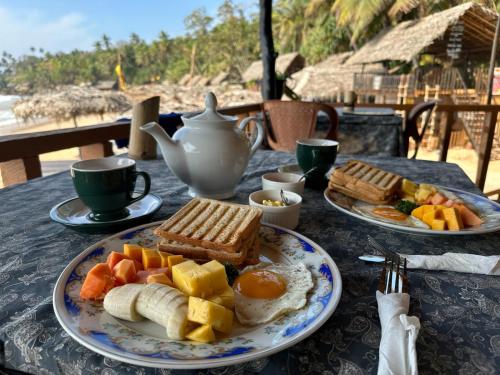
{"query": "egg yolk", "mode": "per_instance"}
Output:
(260, 284)
(389, 213)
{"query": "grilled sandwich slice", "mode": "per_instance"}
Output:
(247, 250)
(212, 224)
(365, 182)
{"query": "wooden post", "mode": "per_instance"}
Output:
(445, 137)
(96, 151)
(485, 148)
(267, 50)
(492, 61)
(142, 145)
(20, 170)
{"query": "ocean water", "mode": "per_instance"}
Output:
(7, 118)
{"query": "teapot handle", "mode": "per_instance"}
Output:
(260, 132)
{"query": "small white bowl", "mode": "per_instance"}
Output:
(283, 181)
(290, 168)
(285, 216)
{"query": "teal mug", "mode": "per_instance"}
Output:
(315, 157)
(106, 186)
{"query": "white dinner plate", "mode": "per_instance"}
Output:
(488, 210)
(144, 344)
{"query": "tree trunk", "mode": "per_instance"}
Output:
(193, 59)
(267, 50)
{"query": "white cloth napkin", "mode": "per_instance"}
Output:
(469, 263)
(397, 352)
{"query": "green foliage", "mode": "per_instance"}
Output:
(323, 39)
(228, 42)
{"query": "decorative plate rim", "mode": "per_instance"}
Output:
(132, 358)
(415, 230)
(57, 218)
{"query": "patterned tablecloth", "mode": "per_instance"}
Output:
(460, 313)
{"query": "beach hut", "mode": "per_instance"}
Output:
(331, 77)
(466, 31)
(286, 65)
(70, 102)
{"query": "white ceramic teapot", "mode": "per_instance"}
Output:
(209, 153)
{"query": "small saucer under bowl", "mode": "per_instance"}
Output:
(74, 214)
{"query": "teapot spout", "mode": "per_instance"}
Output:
(168, 147)
(173, 152)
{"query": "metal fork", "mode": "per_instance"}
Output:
(378, 247)
(390, 276)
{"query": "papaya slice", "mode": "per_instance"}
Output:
(125, 272)
(97, 283)
(142, 276)
(438, 199)
(138, 266)
(114, 258)
(469, 218)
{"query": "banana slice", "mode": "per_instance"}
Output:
(120, 302)
(166, 306)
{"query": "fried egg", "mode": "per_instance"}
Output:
(387, 214)
(266, 291)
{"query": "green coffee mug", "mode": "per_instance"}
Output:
(316, 156)
(106, 186)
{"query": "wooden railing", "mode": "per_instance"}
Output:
(19, 154)
(450, 111)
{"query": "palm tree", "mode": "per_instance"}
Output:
(365, 16)
(291, 23)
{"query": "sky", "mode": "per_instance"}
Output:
(63, 25)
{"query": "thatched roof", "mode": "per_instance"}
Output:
(70, 102)
(286, 64)
(330, 76)
(430, 35)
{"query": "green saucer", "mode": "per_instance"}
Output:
(74, 214)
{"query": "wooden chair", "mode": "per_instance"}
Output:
(411, 130)
(491, 194)
(293, 120)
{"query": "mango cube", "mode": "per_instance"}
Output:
(172, 260)
(409, 187)
(429, 217)
(206, 312)
(203, 333)
(428, 208)
(151, 258)
(453, 218)
(218, 278)
(422, 194)
(418, 212)
(224, 298)
(438, 224)
(191, 279)
(133, 251)
(164, 258)
(429, 187)
(199, 281)
(159, 278)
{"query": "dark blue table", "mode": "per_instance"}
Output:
(459, 313)
(368, 131)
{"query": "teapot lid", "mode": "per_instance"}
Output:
(210, 113)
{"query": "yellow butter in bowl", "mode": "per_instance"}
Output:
(269, 202)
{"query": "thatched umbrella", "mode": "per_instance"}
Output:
(71, 102)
